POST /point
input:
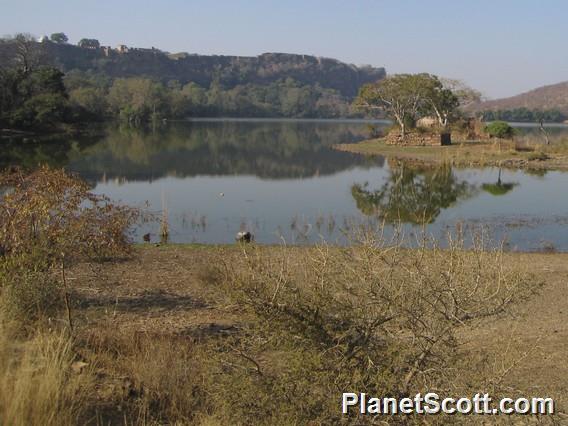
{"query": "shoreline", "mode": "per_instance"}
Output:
(465, 154)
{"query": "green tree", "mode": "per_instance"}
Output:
(90, 99)
(439, 99)
(401, 96)
(36, 98)
(89, 43)
(500, 129)
(59, 38)
(137, 99)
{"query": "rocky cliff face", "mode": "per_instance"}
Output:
(230, 71)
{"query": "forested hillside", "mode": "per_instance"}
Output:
(137, 84)
(552, 99)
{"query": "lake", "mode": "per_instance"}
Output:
(281, 180)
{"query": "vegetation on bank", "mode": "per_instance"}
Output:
(249, 334)
(498, 153)
(524, 115)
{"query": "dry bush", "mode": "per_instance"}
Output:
(57, 211)
(29, 290)
(49, 219)
(37, 385)
(374, 317)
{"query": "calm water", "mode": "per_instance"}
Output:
(282, 181)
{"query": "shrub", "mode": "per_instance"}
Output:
(373, 317)
(48, 220)
(56, 211)
(28, 288)
(500, 129)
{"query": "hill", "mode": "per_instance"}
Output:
(229, 71)
(546, 98)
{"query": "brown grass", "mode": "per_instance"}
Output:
(37, 383)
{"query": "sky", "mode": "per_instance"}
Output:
(500, 47)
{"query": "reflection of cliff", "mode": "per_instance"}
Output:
(412, 194)
(265, 149)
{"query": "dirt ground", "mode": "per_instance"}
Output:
(160, 291)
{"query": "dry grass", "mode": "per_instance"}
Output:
(37, 383)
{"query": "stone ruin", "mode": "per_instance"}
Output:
(428, 133)
(419, 139)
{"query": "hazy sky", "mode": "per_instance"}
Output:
(501, 47)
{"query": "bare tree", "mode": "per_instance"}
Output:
(465, 94)
(26, 52)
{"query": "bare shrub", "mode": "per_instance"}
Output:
(373, 317)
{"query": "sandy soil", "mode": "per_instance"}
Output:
(160, 291)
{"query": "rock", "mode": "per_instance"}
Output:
(244, 237)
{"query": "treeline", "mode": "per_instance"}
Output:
(44, 97)
(138, 99)
(525, 115)
(141, 84)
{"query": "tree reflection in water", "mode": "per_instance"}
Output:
(499, 188)
(413, 193)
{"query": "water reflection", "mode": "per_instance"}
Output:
(281, 180)
(499, 188)
(412, 193)
(272, 150)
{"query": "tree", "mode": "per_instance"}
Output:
(405, 96)
(26, 55)
(89, 43)
(439, 99)
(399, 96)
(500, 129)
(466, 95)
(136, 99)
(59, 38)
(36, 98)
